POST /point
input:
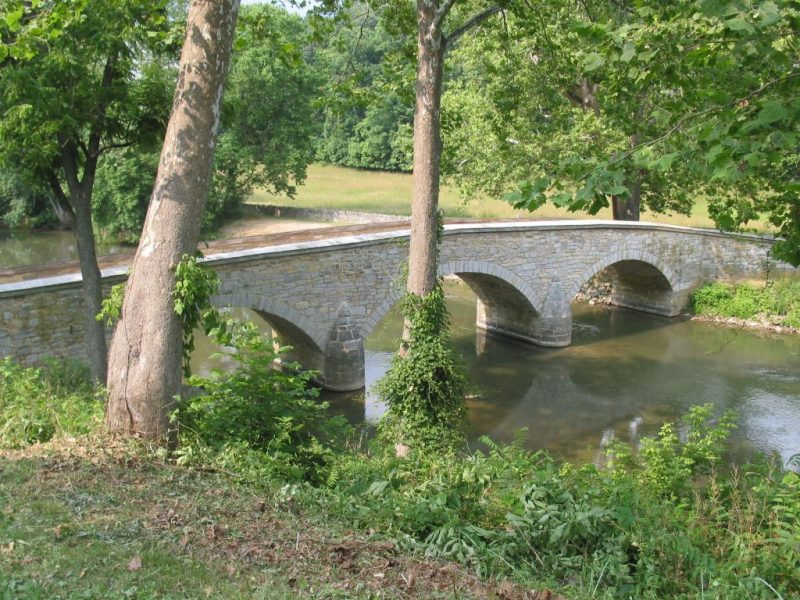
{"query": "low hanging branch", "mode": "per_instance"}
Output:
(691, 117)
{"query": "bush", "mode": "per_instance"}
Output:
(37, 404)
(778, 301)
(425, 386)
(263, 420)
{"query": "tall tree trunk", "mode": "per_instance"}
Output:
(145, 359)
(427, 151)
(92, 284)
(78, 207)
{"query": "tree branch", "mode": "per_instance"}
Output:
(114, 145)
(476, 20)
(349, 65)
(442, 13)
(681, 122)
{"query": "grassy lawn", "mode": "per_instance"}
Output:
(330, 186)
(91, 518)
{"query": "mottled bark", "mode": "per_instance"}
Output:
(427, 150)
(145, 360)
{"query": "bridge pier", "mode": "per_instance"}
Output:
(503, 310)
(344, 355)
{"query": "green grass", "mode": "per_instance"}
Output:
(336, 187)
(777, 302)
(95, 518)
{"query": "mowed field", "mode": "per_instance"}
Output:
(335, 187)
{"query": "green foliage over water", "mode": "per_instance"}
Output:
(777, 302)
(261, 419)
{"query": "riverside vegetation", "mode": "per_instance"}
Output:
(667, 519)
(774, 302)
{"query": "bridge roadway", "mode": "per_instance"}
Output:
(325, 290)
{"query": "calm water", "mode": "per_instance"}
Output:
(31, 248)
(624, 375)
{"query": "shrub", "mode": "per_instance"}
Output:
(37, 404)
(263, 419)
(778, 301)
(425, 386)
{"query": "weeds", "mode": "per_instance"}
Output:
(778, 301)
(37, 404)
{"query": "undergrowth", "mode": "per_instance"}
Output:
(664, 520)
(778, 301)
(37, 404)
(264, 421)
(425, 386)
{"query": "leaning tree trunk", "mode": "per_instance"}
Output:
(427, 151)
(145, 359)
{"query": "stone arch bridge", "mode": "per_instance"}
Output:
(325, 296)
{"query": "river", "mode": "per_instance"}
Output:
(625, 374)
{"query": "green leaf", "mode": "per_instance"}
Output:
(593, 61)
(664, 163)
(12, 18)
(771, 112)
(740, 24)
(768, 13)
(562, 199)
(628, 52)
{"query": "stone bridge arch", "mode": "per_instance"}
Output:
(639, 280)
(506, 304)
(308, 342)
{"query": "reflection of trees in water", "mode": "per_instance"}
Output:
(21, 248)
(628, 375)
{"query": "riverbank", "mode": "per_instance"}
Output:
(93, 517)
(88, 516)
(773, 305)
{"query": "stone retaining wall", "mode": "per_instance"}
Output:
(319, 214)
